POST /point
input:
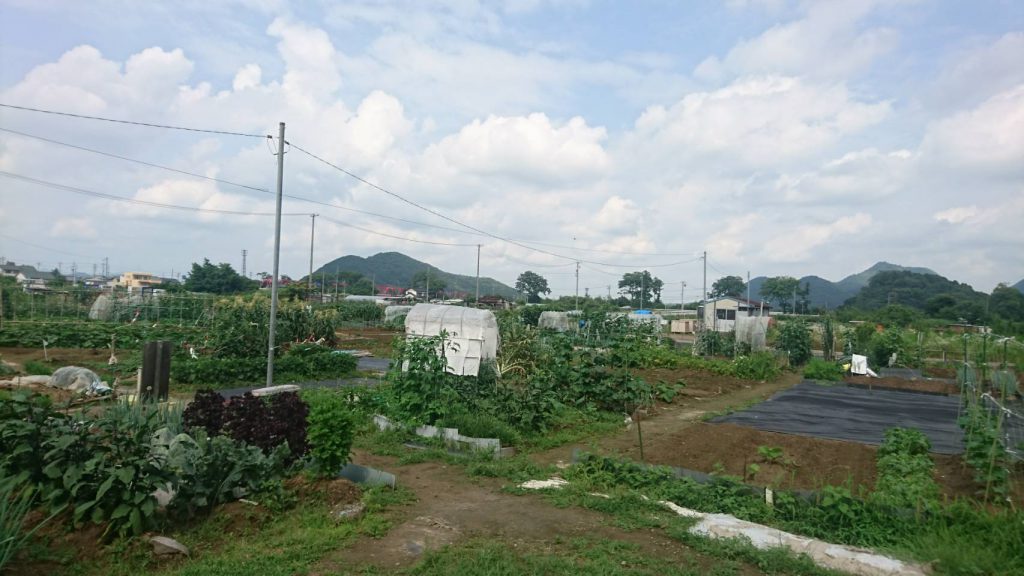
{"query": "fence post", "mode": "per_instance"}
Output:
(156, 371)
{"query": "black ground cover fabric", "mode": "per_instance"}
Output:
(843, 412)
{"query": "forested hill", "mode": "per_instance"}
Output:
(827, 294)
(1019, 286)
(397, 269)
(928, 292)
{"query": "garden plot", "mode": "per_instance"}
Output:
(855, 414)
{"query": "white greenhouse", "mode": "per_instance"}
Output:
(393, 313)
(473, 332)
(558, 321)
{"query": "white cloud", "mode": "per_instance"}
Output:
(989, 137)
(828, 42)
(617, 216)
(855, 178)
(529, 149)
(957, 215)
(73, 229)
(797, 244)
(754, 122)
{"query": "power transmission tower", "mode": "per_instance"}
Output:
(277, 254)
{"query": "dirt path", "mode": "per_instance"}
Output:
(452, 507)
(668, 420)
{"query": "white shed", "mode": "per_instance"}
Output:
(473, 331)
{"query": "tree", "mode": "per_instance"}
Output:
(1007, 302)
(58, 279)
(533, 285)
(641, 288)
(420, 282)
(781, 291)
(728, 286)
(217, 279)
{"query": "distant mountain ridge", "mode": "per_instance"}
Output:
(828, 294)
(397, 269)
(1019, 286)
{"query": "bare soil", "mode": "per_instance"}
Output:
(704, 394)
(452, 508)
(806, 463)
(892, 383)
(376, 340)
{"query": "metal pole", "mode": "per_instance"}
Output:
(312, 232)
(682, 297)
(477, 274)
(277, 254)
(704, 294)
(576, 301)
(748, 292)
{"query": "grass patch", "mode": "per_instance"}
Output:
(38, 368)
(572, 427)
(270, 545)
(576, 556)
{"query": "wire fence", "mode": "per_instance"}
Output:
(1001, 404)
(81, 304)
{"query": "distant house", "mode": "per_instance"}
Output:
(495, 302)
(139, 281)
(27, 276)
(720, 314)
(96, 282)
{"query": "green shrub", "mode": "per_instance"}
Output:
(905, 470)
(795, 340)
(818, 369)
(481, 425)
(211, 471)
(305, 362)
(330, 432)
(884, 345)
(38, 368)
(757, 366)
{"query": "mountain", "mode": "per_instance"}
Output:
(828, 294)
(927, 292)
(1019, 286)
(396, 269)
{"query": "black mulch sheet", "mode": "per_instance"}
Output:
(855, 414)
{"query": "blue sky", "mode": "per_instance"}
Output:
(783, 137)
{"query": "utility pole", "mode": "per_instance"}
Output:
(682, 296)
(704, 292)
(277, 254)
(643, 278)
(312, 232)
(428, 285)
(609, 292)
(244, 254)
(586, 293)
(336, 274)
(477, 274)
(576, 301)
(74, 274)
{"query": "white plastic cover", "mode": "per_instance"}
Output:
(472, 334)
(391, 313)
(560, 321)
(859, 364)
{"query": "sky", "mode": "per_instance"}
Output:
(782, 137)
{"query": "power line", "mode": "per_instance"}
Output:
(457, 222)
(137, 201)
(228, 182)
(368, 231)
(19, 240)
(142, 162)
(135, 123)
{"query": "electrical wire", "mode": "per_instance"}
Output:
(368, 231)
(135, 123)
(467, 226)
(19, 240)
(142, 162)
(229, 182)
(106, 196)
